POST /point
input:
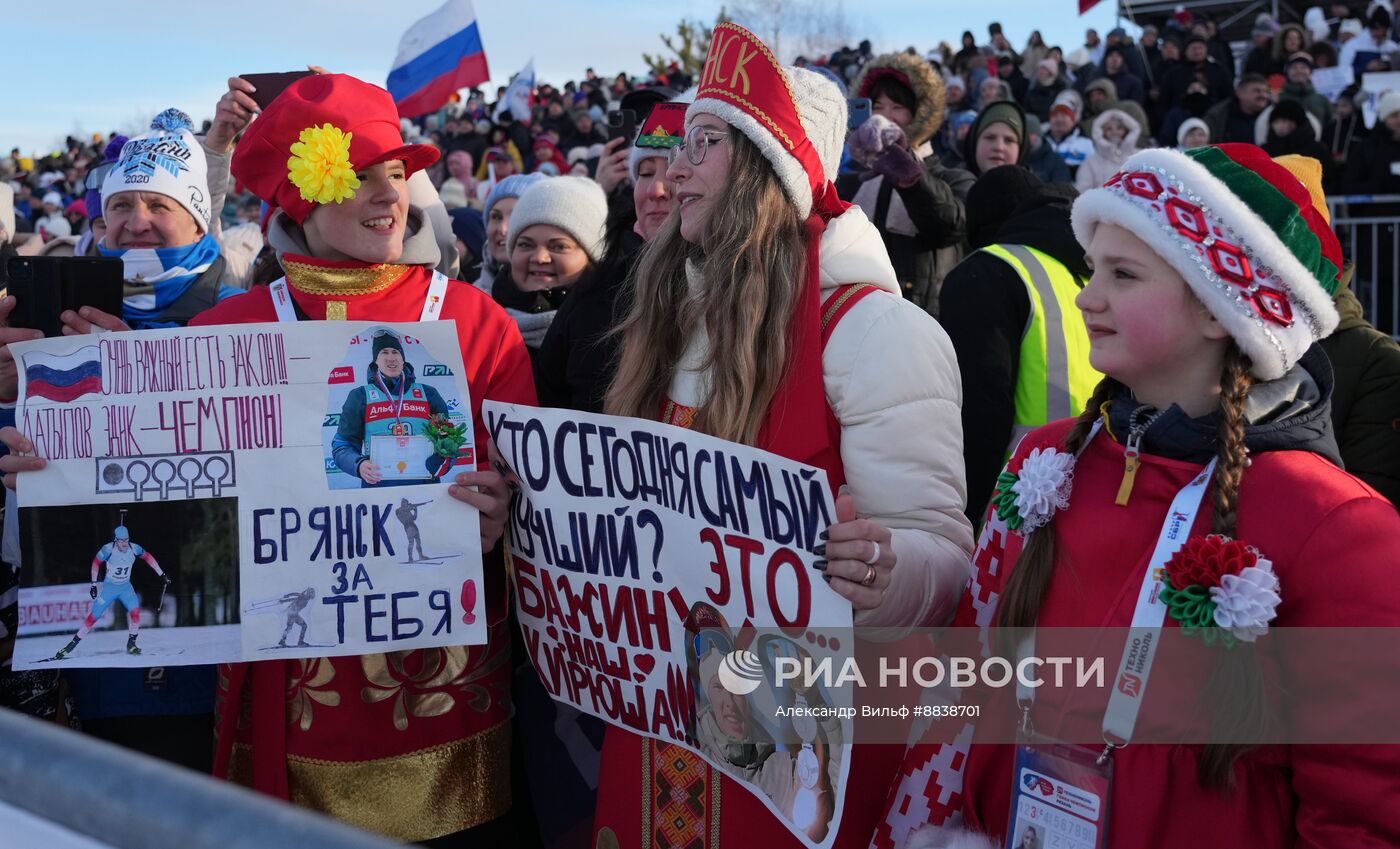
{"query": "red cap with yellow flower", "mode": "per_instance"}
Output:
(305, 147)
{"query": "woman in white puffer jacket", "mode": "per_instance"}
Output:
(1116, 134)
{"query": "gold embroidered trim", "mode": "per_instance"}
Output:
(715, 782)
(335, 310)
(840, 300)
(647, 838)
(417, 796)
(324, 280)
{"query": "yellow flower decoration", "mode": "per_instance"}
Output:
(320, 165)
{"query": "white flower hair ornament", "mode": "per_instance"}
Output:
(1028, 498)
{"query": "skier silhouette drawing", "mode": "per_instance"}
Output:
(296, 603)
(407, 512)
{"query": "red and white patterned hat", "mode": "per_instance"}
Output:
(1244, 233)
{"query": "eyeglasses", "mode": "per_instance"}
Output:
(695, 144)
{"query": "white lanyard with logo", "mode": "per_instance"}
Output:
(432, 302)
(1060, 792)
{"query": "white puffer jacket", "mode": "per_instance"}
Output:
(892, 381)
(1100, 166)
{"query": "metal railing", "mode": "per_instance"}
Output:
(125, 800)
(1370, 238)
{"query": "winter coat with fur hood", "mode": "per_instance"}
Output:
(1108, 156)
(922, 225)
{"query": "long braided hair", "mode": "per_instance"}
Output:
(1236, 679)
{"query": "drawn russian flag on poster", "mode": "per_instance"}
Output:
(63, 378)
(438, 55)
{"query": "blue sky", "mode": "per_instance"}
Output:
(98, 66)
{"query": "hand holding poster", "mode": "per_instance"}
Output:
(218, 487)
(664, 577)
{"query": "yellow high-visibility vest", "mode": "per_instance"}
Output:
(1053, 379)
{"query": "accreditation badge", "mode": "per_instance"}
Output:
(1059, 797)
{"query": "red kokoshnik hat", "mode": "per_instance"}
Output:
(796, 117)
(305, 147)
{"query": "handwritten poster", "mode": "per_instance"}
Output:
(664, 577)
(245, 492)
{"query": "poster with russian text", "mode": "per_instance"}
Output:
(245, 492)
(665, 583)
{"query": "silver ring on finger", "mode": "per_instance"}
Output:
(874, 557)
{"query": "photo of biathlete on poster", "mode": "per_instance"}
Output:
(189, 513)
(664, 583)
(393, 415)
(137, 584)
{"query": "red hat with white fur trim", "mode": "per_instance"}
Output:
(1244, 233)
(796, 117)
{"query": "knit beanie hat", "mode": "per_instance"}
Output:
(385, 339)
(1245, 234)
(511, 187)
(1070, 101)
(470, 227)
(797, 118)
(1389, 104)
(1300, 56)
(1001, 112)
(575, 205)
(664, 128)
(166, 161)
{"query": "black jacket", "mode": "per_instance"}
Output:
(984, 309)
(1303, 142)
(1178, 79)
(935, 208)
(577, 359)
(1048, 165)
(1366, 403)
(1039, 98)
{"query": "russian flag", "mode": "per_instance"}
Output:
(438, 55)
(63, 378)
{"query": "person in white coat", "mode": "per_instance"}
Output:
(1115, 135)
(766, 312)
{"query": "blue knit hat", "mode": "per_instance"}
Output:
(470, 227)
(511, 187)
(93, 196)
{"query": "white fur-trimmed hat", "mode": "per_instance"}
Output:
(166, 161)
(1245, 234)
(797, 118)
(575, 205)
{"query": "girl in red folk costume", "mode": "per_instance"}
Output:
(1201, 489)
(766, 312)
(414, 744)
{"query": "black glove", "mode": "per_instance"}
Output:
(165, 576)
(92, 591)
